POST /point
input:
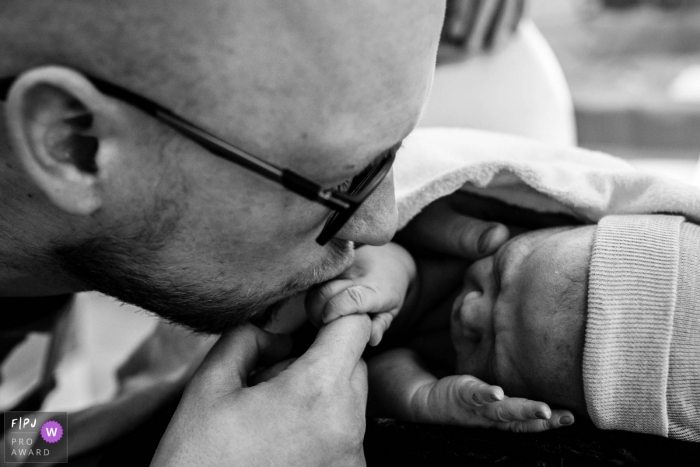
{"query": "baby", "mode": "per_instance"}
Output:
(603, 320)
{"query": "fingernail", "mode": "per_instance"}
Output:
(485, 240)
(566, 420)
(541, 415)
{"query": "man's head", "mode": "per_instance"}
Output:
(93, 187)
(520, 320)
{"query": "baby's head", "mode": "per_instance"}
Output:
(520, 319)
(603, 320)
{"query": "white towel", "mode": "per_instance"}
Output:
(550, 179)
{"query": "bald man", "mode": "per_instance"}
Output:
(206, 160)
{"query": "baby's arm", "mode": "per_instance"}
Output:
(401, 387)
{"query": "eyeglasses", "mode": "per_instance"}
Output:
(343, 203)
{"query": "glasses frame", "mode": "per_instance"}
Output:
(344, 204)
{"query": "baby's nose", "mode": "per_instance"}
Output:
(475, 314)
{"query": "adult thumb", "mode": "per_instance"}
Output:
(339, 345)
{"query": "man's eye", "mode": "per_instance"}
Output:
(345, 186)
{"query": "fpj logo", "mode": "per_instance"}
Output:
(36, 437)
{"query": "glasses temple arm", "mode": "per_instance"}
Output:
(288, 178)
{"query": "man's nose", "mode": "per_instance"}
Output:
(375, 221)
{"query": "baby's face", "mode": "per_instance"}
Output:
(520, 320)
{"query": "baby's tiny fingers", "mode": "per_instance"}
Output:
(559, 419)
(516, 408)
(476, 393)
(524, 426)
(354, 299)
(318, 297)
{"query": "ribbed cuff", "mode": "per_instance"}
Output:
(631, 302)
(684, 364)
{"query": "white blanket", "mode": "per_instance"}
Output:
(550, 179)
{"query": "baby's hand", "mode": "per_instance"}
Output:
(376, 283)
(467, 401)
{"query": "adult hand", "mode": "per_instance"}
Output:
(310, 414)
(448, 226)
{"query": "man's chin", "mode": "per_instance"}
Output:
(341, 257)
(344, 252)
(341, 254)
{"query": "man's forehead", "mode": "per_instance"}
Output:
(306, 82)
(327, 87)
(143, 39)
(296, 83)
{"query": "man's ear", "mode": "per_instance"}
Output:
(57, 122)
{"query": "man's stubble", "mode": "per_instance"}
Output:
(131, 272)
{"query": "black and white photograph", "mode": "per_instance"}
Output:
(350, 233)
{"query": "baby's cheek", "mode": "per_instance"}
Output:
(564, 383)
(462, 366)
(508, 363)
(471, 360)
(460, 347)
